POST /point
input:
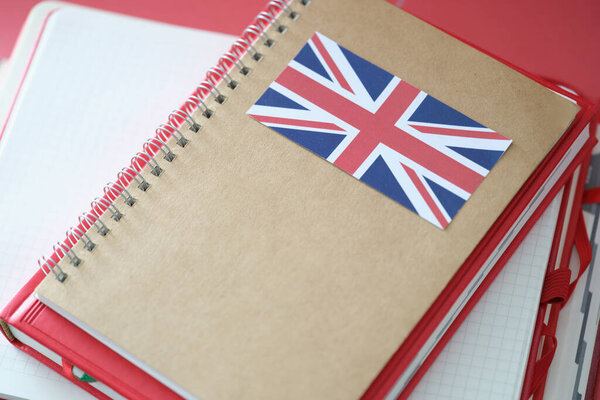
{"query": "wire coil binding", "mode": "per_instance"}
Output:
(172, 129)
(44, 265)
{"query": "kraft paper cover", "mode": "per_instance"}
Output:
(253, 268)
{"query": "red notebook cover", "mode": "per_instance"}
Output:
(76, 348)
(91, 357)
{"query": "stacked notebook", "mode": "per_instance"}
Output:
(574, 371)
(231, 258)
(63, 73)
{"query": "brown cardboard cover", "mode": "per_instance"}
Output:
(254, 269)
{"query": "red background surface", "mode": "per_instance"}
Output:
(557, 39)
(554, 38)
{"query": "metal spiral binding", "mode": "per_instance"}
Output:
(65, 250)
(205, 86)
(132, 173)
(221, 73)
(114, 211)
(148, 146)
(97, 222)
(265, 18)
(197, 102)
(281, 5)
(44, 265)
(235, 61)
(267, 41)
(156, 145)
(80, 236)
(242, 46)
(164, 131)
(109, 192)
(184, 116)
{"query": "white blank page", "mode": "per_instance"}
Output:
(487, 356)
(98, 86)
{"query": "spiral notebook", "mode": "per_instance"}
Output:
(233, 248)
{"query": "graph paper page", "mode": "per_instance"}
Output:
(487, 356)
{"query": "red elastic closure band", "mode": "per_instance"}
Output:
(556, 286)
(584, 251)
(542, 365)
(557, 290)
(591, 196)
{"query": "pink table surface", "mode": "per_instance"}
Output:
(553, 38)
(226, 16)
(556, 39)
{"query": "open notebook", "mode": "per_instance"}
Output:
(261, 261)
(75, 114)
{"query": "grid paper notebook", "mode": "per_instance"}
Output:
(578, 322)
(487, 356)
(79, 116)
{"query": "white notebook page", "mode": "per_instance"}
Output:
(487, 356)
(98, 86)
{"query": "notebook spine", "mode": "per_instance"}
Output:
(276, 14)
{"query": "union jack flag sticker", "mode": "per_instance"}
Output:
(385, 132)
